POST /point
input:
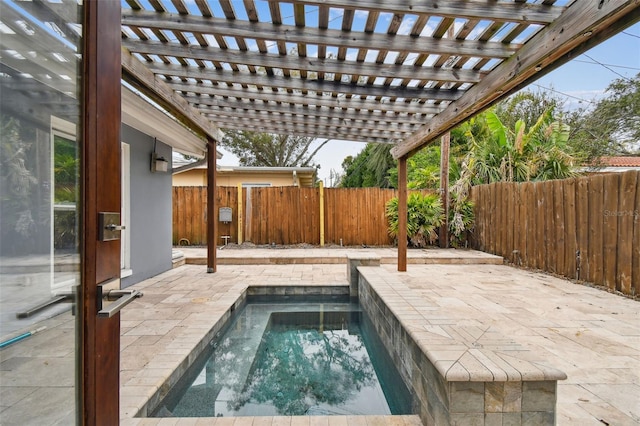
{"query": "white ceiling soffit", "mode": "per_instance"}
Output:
(141, 115)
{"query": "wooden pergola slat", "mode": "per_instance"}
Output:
(213, 95)
(313, 36)
(268, 60)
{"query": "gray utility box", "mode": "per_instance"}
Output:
(225, 214)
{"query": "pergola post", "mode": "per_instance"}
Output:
(445, 141)
(402, 214)
(212, 223)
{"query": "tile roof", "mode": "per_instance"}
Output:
(620, 161)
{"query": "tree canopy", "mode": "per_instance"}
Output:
(529, 136)
(369, 168)
(269, 150)
(612, 127)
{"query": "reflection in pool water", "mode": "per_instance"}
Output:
(291, 359)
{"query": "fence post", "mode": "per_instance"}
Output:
(321, 188)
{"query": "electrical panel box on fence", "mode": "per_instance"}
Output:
(225, 214)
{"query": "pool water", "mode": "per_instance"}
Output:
(284, 359)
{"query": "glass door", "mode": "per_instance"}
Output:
(39, 210)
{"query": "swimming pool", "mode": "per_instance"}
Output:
(297, 357)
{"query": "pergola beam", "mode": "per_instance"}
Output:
(583, 24)
(137, 74)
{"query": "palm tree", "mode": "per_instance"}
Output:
(520, 154)
(380, 161)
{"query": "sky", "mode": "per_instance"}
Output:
(581, 82)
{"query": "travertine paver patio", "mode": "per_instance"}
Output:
(591, 335)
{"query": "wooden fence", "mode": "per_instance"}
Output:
(586, 228)
(286, 215)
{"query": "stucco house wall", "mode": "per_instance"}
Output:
(150, 208)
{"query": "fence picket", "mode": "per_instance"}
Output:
(558, 236)
(626, 215)
(532, 225)
(596, 221)
(635, 250)
(582, 227)
(540, 206)
(611, 189)
(570, 235)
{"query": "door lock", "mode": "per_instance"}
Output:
(109, 226)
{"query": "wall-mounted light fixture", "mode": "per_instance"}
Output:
(158, 163)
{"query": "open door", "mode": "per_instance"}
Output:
(59, 212)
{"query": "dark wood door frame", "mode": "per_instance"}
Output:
(100, 188)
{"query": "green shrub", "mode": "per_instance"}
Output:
(424, 216)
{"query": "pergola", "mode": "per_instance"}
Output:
(400, 72)
(395, 72)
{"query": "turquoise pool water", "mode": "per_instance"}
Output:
(294, 358)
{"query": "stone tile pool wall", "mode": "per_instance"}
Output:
(450, 387)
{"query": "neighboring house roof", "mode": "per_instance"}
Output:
(620, 161)
(614, 164)
(305, 175)
(257, 169)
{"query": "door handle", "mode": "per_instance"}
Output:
(113, 227)
(62, 297)
(121, 299)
